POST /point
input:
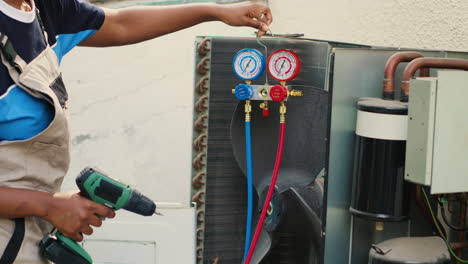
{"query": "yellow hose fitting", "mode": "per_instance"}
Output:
(283, 111)
(282, 119)
(283, 84)
(296, 93)
(248, 82)
(233, 91)
(248, 110)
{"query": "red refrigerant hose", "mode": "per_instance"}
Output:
(271, 189)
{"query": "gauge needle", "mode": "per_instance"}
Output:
(247, 66)
(282, 65)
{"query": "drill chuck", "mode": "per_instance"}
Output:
(140, 204)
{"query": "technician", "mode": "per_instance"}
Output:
(34, 131)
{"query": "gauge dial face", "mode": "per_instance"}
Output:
(284, 65)
(249, 64)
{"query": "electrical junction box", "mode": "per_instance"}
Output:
(437, 144)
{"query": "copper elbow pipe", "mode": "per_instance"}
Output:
(458, 245)
(390, 69)
(419, 63)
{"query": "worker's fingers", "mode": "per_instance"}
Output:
(77, 237)
(266, 17)
(257, 24)
(102, 210)
(264, 21)
(95, 221)
(261, 33)
(87, 230)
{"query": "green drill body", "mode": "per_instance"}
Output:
(100, 189)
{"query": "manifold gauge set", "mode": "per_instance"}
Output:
(249, 65)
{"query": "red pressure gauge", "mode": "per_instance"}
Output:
(284, 65)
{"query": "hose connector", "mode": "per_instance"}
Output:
(248, 110)
(264, 107)
(283, 111)
(296, 93)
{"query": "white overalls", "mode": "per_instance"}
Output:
(41, 162)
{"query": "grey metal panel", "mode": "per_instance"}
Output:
(356, 73)
(420, 131)
(450, 166)
(349, 83)
(459, 55)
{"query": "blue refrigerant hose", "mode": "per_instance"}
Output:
(248, 150)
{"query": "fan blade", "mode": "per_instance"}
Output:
(315, 223)
(297, 238)
(265, 241)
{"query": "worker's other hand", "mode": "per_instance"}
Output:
(246, 14)
(74, 215)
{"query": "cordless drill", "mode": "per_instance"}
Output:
(101, 189)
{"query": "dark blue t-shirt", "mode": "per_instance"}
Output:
(67, 23)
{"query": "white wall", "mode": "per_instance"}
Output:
(427, 24)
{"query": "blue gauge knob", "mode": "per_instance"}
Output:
(249, 64)
(243, 92)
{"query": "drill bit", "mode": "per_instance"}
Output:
(158, 213)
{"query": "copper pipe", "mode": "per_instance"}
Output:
(200, 232)
(199, 143)
(202, 85)
(203, 67)
(419, 63)
(200, 124)
(198, 198)
(198, 162)
(200, 216)
(458, 245)
(201, 104)
(425, 72)
(199, 253)
(204, 47)
(390, 69)
(198, 181)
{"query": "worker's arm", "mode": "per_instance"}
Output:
(68, 212)
(136, 24)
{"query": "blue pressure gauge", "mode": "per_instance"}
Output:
(249, 64)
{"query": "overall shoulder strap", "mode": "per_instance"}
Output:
(10, 55)
(13, 247)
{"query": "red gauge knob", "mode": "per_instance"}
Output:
(266, 112)
(278, 93)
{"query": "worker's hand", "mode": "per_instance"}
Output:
(246, 14)
(74, 215)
